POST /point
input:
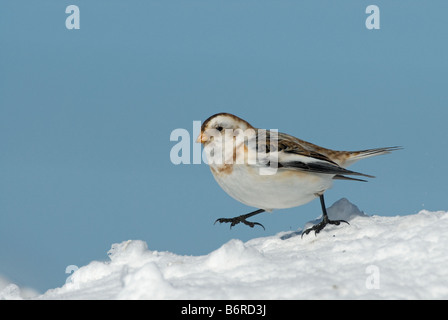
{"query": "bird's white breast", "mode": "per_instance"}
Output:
(284, 189)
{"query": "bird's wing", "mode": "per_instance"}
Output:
(294, 154)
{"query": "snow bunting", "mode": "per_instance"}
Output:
(237, 154)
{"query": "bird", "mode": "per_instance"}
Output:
(270, 170)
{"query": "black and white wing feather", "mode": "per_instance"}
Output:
(290, 153)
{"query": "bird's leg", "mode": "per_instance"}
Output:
(242, 218)
(318, 227)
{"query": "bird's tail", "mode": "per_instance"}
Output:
(362, 154)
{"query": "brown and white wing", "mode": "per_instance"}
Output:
(293, 154)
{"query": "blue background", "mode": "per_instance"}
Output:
(86, 117)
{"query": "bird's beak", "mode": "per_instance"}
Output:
(202, 138)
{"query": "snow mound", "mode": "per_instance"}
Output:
(11, 291)
(402, 257)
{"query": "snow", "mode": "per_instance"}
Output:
(11, 291)
(375, 257)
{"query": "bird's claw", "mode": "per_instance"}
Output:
(236, 220)
(318, 227)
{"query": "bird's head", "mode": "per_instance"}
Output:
(218, 123)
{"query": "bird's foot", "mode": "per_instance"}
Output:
(236, 220)
(318, 227)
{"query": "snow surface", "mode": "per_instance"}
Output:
(402, 257)
(9, 290)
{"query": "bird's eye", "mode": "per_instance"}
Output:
(219, 128)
